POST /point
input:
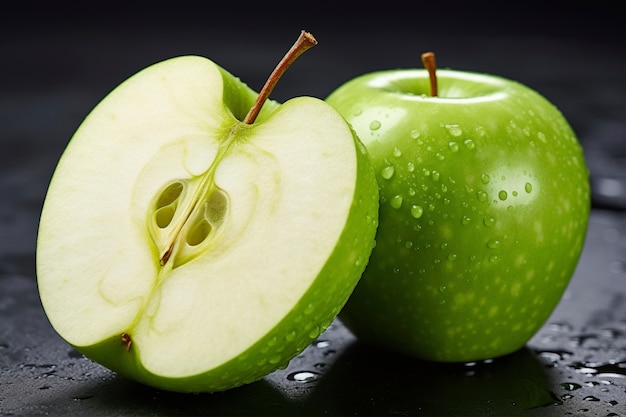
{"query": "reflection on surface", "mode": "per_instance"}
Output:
(374, 382)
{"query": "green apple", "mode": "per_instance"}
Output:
(190, 251)
(485, 201)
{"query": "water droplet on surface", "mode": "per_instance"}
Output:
(410, 167)
(435, 175)
(303, 376)
(417, 211)
(375, 125)
(482, 196)
(571, 386)
(396, 201)
(502, 195)
(455, 130)
(415, 134)
(387, 172)
(397, 152)
(485, 179)
(591, 398)
(465, 220)
(454, 146)
(322, 344)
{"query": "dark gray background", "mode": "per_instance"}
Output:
(57, 62)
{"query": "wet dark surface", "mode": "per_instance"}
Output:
(53, 72)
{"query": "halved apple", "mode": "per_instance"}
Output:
(190, 251)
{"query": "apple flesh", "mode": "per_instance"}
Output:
(190, 251)
(484, 198)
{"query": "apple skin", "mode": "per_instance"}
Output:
(102, 198)
(484, 204)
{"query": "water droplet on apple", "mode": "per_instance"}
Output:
(481, 195)
(541, 136)
(452, 257)
(494, 258)
(469, 144)
(528, 187)
(489, 221)
(410, 167)
(485, 179)
(396, 202)
(417, 211)
(455, 130)
(502, 195)
(397, 152)
(375, 125)
(435, 175)
(309, 309)
(415, 134)
(275, 359)
(465, 220)
(493, 244)
(387, 172)
(358, 112)
(454, 146)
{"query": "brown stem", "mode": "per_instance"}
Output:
(304, 42)
(428, 60)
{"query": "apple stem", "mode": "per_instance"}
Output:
(126, 341)
(304, 42)
(428, 60)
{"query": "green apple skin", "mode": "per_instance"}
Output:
(484, 204)
(99, 272)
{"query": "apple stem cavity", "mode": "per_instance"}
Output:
(428, 60)
(304, 42)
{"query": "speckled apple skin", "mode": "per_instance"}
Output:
(485, 200)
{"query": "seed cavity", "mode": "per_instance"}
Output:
(181, 221)
(166, 204)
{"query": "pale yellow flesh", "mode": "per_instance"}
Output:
(290, 189)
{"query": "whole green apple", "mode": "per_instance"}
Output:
(195, 236)
(484, 197)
